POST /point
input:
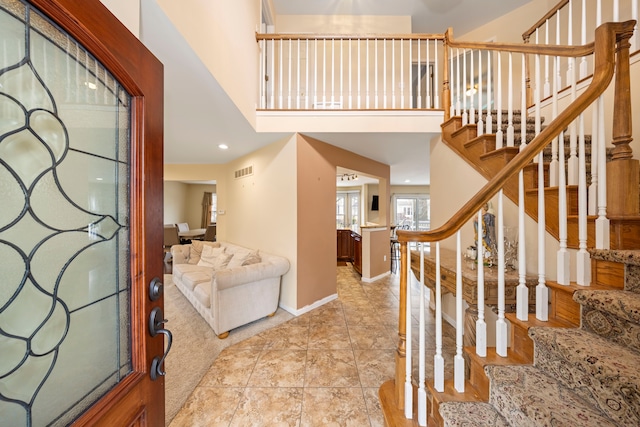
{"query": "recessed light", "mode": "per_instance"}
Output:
(91, 85)
(407, 180)
(99, 179)
(223, 146)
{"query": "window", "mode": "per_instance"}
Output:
(412, 211)
(213, 208)
(347, 209)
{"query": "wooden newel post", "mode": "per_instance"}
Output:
(623, 172)
(446, 88)
(401, 352)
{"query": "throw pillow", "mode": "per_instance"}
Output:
(252, 258)
(196, 250)
(210, 256)
(222, 261)
(238, 258)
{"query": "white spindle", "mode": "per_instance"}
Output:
(367, 76)
(350, 74)
(298, 91)
(634, 16)
(547, 85)
(616, 11)
(384, 75)
(324, 73)
(501, 324)
(472, 109)
(408, 388)
(522, 291)
(583, 262)
(452, 107)
(570, 63)
(359, 77)
(481, 326)
(542, 293)
(402, 73)
(306, 85)
(419, 94)
(428, 74)
(558, 80)
(583, 39)
(333, 73)
(488, 123)
(436, 95)
(510, 129)
(592, 199)
(463, 95)
(289, 62)
(315, 74)
(458, 85)
(498, 99)
(480, 126)
(280, 75)
(341, 74)
(602, 223)
(523, 107)
(438, 359)
(563, 262)
(422, 394)
(393, 74)
(376, 65)
(553, 166)
(263, 73)
(411, 95)
(598, 13)
(536, 98)
(458, 373)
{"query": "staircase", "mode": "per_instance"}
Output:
(583, 375)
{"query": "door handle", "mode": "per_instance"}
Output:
(155, 327)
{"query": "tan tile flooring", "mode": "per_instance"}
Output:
(319, 369)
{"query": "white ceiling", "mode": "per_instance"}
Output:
(199, 115)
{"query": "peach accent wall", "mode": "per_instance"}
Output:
(317, 162)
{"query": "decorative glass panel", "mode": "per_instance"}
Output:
(64, 223)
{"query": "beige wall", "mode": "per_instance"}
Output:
(343, 24)
(175, 202)
(317, 162)
(127, 12)
(223, 29)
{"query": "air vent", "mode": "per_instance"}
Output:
(241, 173)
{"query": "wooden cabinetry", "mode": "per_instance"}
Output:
(345, 245)
(357, 252)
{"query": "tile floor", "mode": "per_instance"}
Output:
(321, 368)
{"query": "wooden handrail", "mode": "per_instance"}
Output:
(607, 36)
(382, 36)
(539, 49)
(541, 21)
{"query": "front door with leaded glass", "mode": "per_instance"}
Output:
(76, 247)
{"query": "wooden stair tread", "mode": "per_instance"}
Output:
(532, 321)
(572, 287)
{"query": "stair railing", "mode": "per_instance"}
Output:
(350, 72)
(610, 50)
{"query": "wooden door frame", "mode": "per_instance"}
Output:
(141, 75)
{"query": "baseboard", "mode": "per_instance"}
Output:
(307, 308)
(373, 279)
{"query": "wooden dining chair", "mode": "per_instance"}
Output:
(210, 233)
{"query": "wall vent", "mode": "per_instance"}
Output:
(246, 171)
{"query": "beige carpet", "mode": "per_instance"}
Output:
(195, 346)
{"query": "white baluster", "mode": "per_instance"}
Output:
(547, 86)
(488, 123)
(306, 85)
(393, 75)
(367, 75)
(376, 65)
(315, 74)
(523, 107)
(411, 95)
(419, 94)
(481, 326)
(499, 135)
(522, 291)
(536, 100)
(350, 98)
(408, 388)
(592, 199)
(272, 77)
(458, 85)
(583, 260)
(480, 128)
(510, 129)
(436, 94)
(359, 77)
(583, 39)
(428, 74)
(553, 166)
(542, 293)
(384, 75)
(472, 109)
(558, 80)
(298, 91)
(281, 75)
(458, 373)
(289, 61)
(438, 360)
(422, 394)
(634, 16)
(402, 72)
(452, 107)
(324, 73)
(341, 75)
(616, 11)
(263, 72)
(602, 223)
(501, 324)
(563, 262)
(463, 95)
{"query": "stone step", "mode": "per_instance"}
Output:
(526, 397)
(612, 314)
(471, 414)
(593, 367)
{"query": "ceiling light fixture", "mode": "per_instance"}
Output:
(347, 176)
(223, 146)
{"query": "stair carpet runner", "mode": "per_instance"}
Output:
(587, 376)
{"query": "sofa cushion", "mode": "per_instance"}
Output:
(252, 258)
(209, 256)
(192, 279)
(202, 292)
(238, 258)
(196, 249)
(180, 270)
(222, 261)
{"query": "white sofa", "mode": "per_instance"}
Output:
(228, 285)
